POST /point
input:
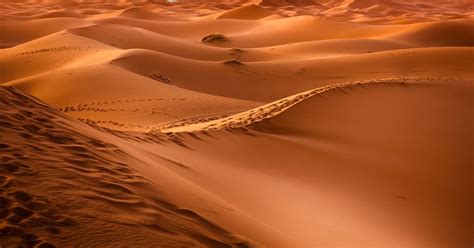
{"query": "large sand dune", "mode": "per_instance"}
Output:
(270, 123)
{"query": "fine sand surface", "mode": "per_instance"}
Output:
(271, 123)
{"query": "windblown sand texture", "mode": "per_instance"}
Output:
(272, 123)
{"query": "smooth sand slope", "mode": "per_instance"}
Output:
(289, 123)
(346, 168)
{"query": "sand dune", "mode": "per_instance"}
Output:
(272, 109)
(333, 168)
(248, 12)
(137, 103)
(240, 123)
(141, 38)
(49, 198)
(18, 32)
(374, 11)
(450, 33)
(143, 13)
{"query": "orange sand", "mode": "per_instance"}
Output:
(271, 123)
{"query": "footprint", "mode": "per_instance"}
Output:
(9, 230)
(32, 128)
(9, 167)
(22, 196)
(14, 219)
(4, 213)
(4, 146)
(52, 230)
(5, 202)
(37, 206)
(29, 240)
(22, 212)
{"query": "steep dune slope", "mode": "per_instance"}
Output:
(72, 184)
(343, 168)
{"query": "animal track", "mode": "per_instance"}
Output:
(189, 121)
(92, 109)
(117, 124)
(55, 49)
(87, 106)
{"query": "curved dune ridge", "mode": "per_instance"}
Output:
(270, 110)
(248, 12)
(239, 123)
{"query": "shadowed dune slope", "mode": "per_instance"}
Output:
(61, 184)
(269, 81)
(449, 33)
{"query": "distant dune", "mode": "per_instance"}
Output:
(269, 123)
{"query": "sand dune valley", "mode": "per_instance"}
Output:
(236, 124)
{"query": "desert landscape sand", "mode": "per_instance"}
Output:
(270, 123)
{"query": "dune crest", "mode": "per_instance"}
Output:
(248, 12)
(270, 110)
